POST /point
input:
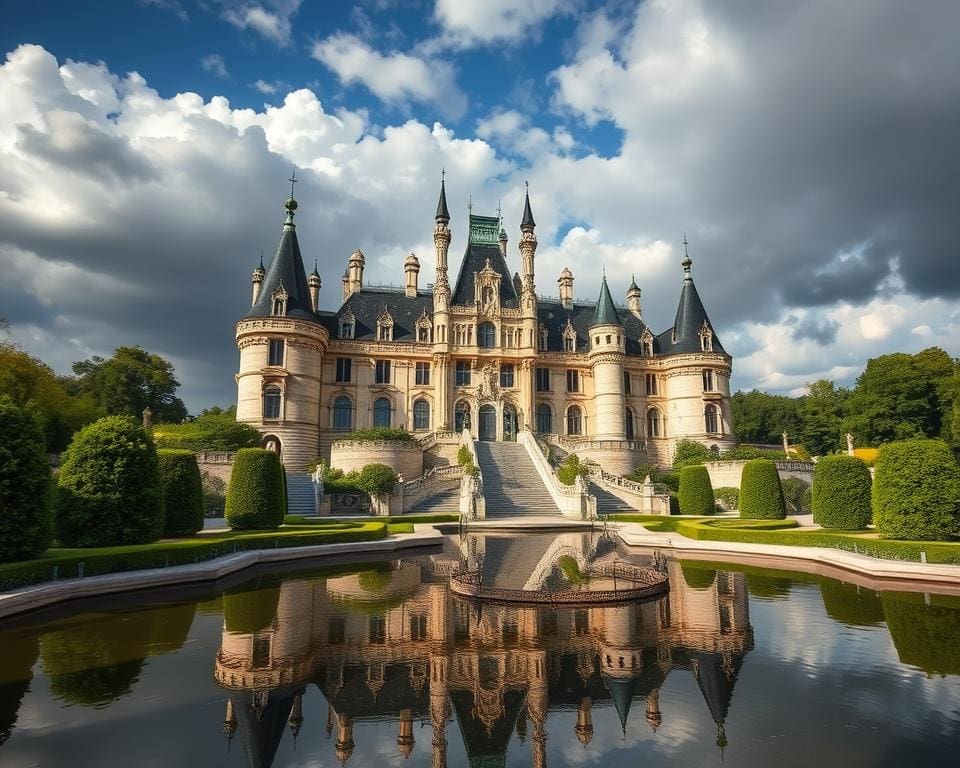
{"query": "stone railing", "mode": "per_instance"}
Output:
(572, 500)
(573, 444)
(472, 503)
(794, 465)
(430, 441)
(429, 478)
(642, 496)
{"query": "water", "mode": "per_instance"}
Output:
(378, 664)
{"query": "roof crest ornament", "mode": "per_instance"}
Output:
(687, 261)
(291, 204)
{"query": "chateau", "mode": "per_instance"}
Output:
(483, 353)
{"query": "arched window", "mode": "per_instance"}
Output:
(574, 420)
(461, 416)
(486, 336)
(628, 423)
(421, 415)
(381, 412)
(654, 423)
(711, 417)
(347, 327)
(342, 413)
(271, 402)
(544, 419)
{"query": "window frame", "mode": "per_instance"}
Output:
(381, 371)
(574, 415)
(573, 377)
(462, 373)
(338, 410)
(378, 412)
(507, 376)
(419, 405)
(343, 374)
(487, 335)
(272, 346)
(544, 375)
(271, 391)
(421, 373)
(543, 412)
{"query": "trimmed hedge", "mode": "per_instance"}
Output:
(571, 469)
(696, 493)
(925, 636)
(255, 493)
(761, 497)
(377, 479)
(26, 520)
(183, 497)
(851, 604)
(916, 494)
(689, 453)
(727, 497)
(841, 493)
(212, 432)
(109, 486)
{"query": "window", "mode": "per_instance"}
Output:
(344, 366)
(543, 379)
(486, 336)
(461, 416)
(711, 419)
(574, 420)
(461, 375)
(573, 381)
(381, 412)
(347, 327)
(418, 627)
(654, 423)
(708, 380)
(271, 402)
(423, 333)
(569, 343)
(260, 652)
(378, 630)
(646, 347)
(384, 331)
(279, 307)
(706, 340)
(628, 423)
(544, 419)
(543, 340)
(423, 374)
(506, 376)
(382, 372)
(337, 630)
(627, 389)
(609, 338)
(342, 413)
(421, 415)
(275, 356)
(651, 382)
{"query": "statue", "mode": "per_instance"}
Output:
(487, 388)
(849, 444)
(317, 478)
(786, 445)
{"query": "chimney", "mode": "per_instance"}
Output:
(411, 271)
(355, 273)
(565, 281)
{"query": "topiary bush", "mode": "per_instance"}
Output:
(255, 492)
(183, 497)
(916, 492)
(109, 489)
(797, 494)
(728, 498)
(841, 493)
(696, 492)
(377, 479)
(26, 522)
(464, 456)
(761, 497)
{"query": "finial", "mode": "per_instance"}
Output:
(499, 210)
(261, 258)
(443, 174)
(526, 183)
(687, 261)
(291, 204)
(470, 204)
(292, 180)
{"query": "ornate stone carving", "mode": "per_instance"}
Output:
(488, 387)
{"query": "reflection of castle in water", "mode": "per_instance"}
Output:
(398, 645)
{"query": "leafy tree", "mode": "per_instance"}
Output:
(689, 452)
(210, 431)
(129, 382)
(822, 411)
(762, 418)
(26, 523)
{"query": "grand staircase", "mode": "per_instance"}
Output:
(607, 503)
(511, 485)
(300, 494)
(446, 501)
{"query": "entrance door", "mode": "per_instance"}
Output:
(509, 423)
(488, 422)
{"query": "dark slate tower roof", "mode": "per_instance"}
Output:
(287, 270)
(527, 221)
(685, 334)
(442, 213)
(482, 245)
(606, 312)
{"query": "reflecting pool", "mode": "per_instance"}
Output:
(380, 664)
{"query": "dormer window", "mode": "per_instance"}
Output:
(569, 338)
(543, 339)
(348, 326)
(424, 328)
(278, 307)
(646, 343)
(385, 326)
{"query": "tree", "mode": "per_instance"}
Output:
(26, 523)
(762, 418)
(689, 452)
(761, 497)
(131, 381)
(822, 411)
(210, 431)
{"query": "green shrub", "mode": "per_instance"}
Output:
(336, 481)
(464, 456)
(214, 495)
(674, 502)
(727, 497)
(182, 492)
(841, 492)
(377, 479)
(109, 489)
(851, 604)
(696, 492)
(471, 469)
(761, 497)
(255, 493)
(26, 521)
(394, 434)
(571, 469)
(662, 481)
(247, 611)
(688, 453)
(916, 494)
(798, 496)
(209, 432)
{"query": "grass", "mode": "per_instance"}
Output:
(787, 533)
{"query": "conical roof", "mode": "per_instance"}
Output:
(442, 213)
(606, 312)
(691, 316)
(622, 690)
(527, 221)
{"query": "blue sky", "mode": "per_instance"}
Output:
(807, 150)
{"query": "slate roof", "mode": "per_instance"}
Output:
(685, 334)
(553, 317)
(368, 304)
(442, 213)
(474, 260)
(606, 312)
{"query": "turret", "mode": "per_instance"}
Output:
(405, 739)
(411, 272)
(257, 279)
(528, 249)
(565, 281)
(633, 297)
(584, 727)
(355, 273)
(607, 346)
(654, 718)
(344, 746)
(313, 284)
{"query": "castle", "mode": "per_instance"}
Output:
(485, 354)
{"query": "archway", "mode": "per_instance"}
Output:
(461, 416)
(488, 423)
(272, 443)
(509, 423)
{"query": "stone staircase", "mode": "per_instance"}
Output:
(511, 485)
(608, 503)
(300, 495)
(443, 502)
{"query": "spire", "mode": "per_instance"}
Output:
(316, 265)
(633, 284)
(687, 261)
(291, 204)
(443, 215)
(691, 321)
(606, 312)
(527, 223)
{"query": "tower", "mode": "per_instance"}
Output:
(313, 284)
(441, 309)
(565, 282)
(257, 280)
(607, 346)
(633, 297)
(528, 309)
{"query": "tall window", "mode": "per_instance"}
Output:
(708, 380)
(712, 419)
(382, 372)
(418, 627)
(381, 412)
(347, 327)
(384, 331)
(342, 413)
(543, 340)
(461, 374)
(573, 381)
(421, 415)
(544, 419)
(574, 420)
(461, 416)
(279, 306)
(627, 389)
(423, 333)
(271, 402)
(486, 336)
(569, 343)
(275, 355)
(344, 366)
(654, 423)
(423, 374)
(651, 382)
(506, 376)
(543, 379)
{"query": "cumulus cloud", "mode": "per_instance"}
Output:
(467, 24)
(272, 19)
(513, 133)
(215, 65)
(393, 77)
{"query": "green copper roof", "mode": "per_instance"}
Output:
(484, 230)
(606, 312)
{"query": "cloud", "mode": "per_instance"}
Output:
(173, 6)
(821, 330)
(215, 65)
(393, 77)
(466, 24)
(264, 87)
(514, 134)
(272, 20)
